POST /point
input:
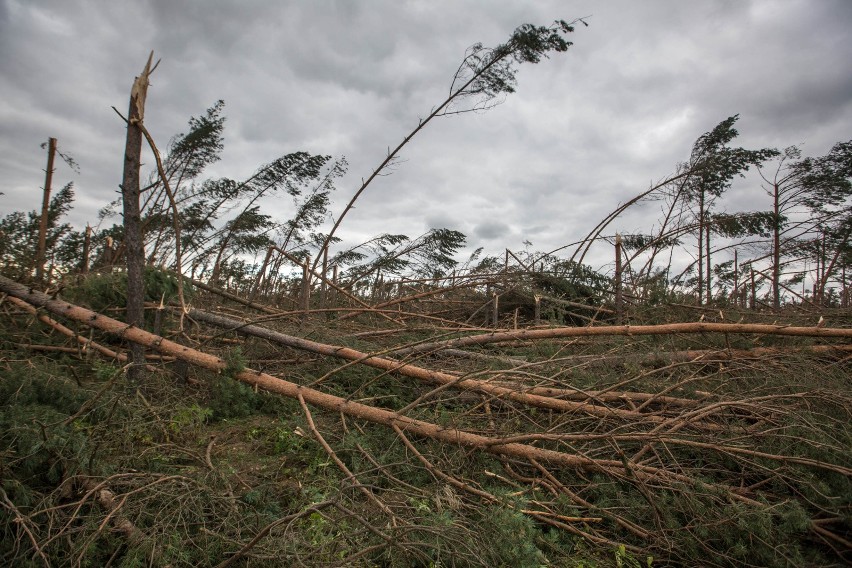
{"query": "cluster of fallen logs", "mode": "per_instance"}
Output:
(647, 441)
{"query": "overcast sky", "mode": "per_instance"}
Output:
(585, 130)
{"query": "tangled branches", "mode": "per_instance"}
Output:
(731, 459)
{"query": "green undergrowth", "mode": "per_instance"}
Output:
(62, 435)
(202, 463)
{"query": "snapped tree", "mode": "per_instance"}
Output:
(130, 191)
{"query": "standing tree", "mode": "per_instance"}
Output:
(794, 215)
(19, 235)
(133, 240)
(827, 183)
(714, 165)
(484, 76)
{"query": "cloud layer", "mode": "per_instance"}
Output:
(585, 130)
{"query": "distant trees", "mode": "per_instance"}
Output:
(827, 191)
(19, 237)
(215, 229)
(483, 78)
(713, 164)
(809, 221)
(688, 198)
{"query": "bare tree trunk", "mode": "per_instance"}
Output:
(735, 295)
(323, 280)
(821, 272)
(217, 264)
(45, 210)
(835, 257)
(753, 291)
(707, 259)
(306, 289)
(776, 250)
(87, 246)
(619, 300)
(134, 250)
(700, 248)
(260, 274)
(495, 309)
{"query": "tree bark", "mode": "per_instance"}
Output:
(701, 248)
(619, 300)
(776, 248)
(707, 259)
(45, 211)
(133, 241)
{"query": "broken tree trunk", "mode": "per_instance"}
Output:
(45, 211)
(133, 241)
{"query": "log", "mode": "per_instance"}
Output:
(664, 329)
(340, 405)
(426, 375)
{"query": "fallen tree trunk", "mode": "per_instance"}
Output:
(664, 329)
(337, 404)
(654, 357)
(523, 395)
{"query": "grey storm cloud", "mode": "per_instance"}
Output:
(585, 130)
(492, 230)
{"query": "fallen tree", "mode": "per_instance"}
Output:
(531, 396)
(335, 403)
(740, 472)
(630, 330)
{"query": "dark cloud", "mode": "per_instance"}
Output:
(585, 131)
(492, 230)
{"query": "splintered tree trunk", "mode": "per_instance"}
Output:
(45, 210)
(133, 244)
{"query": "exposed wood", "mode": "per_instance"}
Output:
(628, 330)
(517, 394)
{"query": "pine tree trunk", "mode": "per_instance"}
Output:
(133, 241)
(45, 212)
(619, 299)
(776, 251)
(707, 258)
(700, 248)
